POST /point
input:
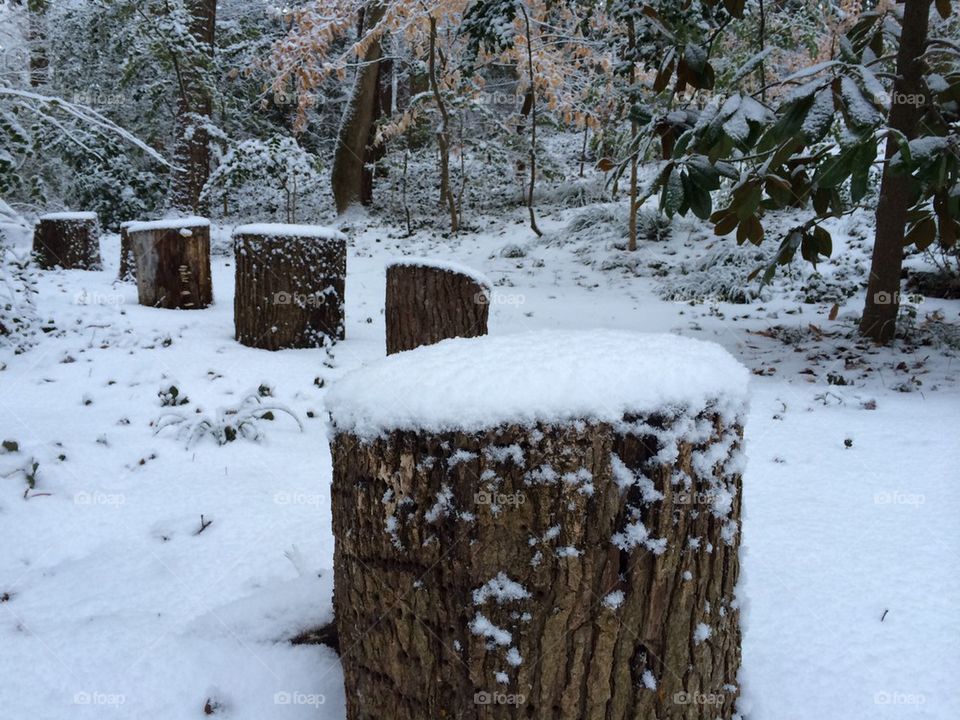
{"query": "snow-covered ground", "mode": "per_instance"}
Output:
(114, 603)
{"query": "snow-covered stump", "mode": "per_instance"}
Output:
(429, 301)
(172, 262)
(128, 261)
(544, 525)
(290, 285)
(70, 240)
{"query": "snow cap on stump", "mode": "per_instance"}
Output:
(478, 277)
(470, 384)
(66, 215)
(167, 224)
(286, 230)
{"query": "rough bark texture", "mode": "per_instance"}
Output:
(194, 107)
(70, 244)
(289, 291)
(353, 149)
(425, 305)
(879, 321)
(128, 261)
(423, 521)
(173, 267)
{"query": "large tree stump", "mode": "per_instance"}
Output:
(540, 526)
(173, 263)
(70, 240)
(429, 301)
(128, 261)
(290, 285)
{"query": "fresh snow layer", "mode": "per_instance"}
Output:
(69, 216)
(543, 376)
(168, 224)
(286, 230)
(453, 267)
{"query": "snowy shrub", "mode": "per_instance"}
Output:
(653, 225)
(266, 179)
(719, 276)
(240, 421)
(608, 220)
(18, 284)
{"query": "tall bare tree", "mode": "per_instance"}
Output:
(354, 136)
(879, 319)
(194, 108)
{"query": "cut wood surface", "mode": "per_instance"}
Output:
(427, 303)
(551, 572)
(172, 264)
(67, 240)
(289, 287)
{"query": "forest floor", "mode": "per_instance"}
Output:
(114, 598)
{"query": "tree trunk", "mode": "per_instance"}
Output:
(67, 240)
(173, 264)
(443, 133)
(602, 624)
(289, 289)
(128, 261)
(879, 321)
(354, 136)
(194, 107)
(426, 304)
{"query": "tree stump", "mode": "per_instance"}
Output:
(290, 285)
(70, 240)
(128, 261)
(429, 301)
(172, 263)
(540, 526)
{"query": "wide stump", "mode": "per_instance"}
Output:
(68, 240)
(172, 263)
(536, 562)
(290, 282)
(429, 301)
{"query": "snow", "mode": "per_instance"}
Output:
(320, 232)
(544, 376)
(454, 267)
(702, 633)
(168, 224)
(850, 575)
(613, 600)
(482, 627)
(501, 589)
(69, 216)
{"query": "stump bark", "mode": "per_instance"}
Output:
(289, 287)
(128, 261)
(562, 572)
(67, 240)
(430, 302)
(172, 264)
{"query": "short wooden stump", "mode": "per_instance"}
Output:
(70, 240)
(128, 261)
(172, 263)
(290, 283)
(571, 565)
(428, 301)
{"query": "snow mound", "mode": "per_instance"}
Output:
(320, 232)
(69, 216)
(453, 267)
(168, 224)
(547, 376)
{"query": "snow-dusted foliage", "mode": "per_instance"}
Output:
(271, 179)
(19, 318)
